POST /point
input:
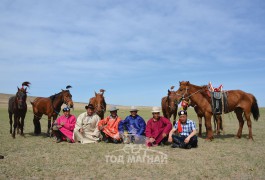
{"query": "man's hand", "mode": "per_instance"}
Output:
(81, 130)
(151, 140)
(101, 127)
(62, 123)
(170, 139)
(164, 135)
(187, 140)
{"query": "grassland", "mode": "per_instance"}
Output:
(39, 157)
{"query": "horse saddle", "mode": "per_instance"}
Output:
(219, 101)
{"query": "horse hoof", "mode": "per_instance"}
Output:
(209, 139)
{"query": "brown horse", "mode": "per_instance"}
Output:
(169, 105)
(218, 124)
(99, 103)
(17, 105)
(240, 102)
(51, 107)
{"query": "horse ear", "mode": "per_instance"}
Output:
(168, 92)
(188, 82)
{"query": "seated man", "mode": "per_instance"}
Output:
(86, 128)
(157, 129)
(64, 126)
(109, 126)
(186, 137)
(134, 125)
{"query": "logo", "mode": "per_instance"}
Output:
(136, 153)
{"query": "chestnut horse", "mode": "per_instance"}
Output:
(51, 107)
(169, 105)
(17, 105)
(240, 102)
(99, 103)
(217, 118)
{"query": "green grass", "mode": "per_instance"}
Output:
(39, 157)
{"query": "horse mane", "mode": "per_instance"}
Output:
(54, 96)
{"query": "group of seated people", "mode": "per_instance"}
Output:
(89, 128)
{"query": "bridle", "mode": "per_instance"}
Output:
(183, 96)
(175, 103)
(102, 108)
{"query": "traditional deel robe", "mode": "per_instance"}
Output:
(134, 125)
(68, 127)
(155, 129)
(111, 126)
(89, 124)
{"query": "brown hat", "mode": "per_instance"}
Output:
(90, 106)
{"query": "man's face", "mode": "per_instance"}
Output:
(113, 113)
(156, 115)
(133, 113)
(90, 112)
(66, 113)
(183, 118)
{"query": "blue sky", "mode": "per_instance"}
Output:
(135, 50)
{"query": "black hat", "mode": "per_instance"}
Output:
(90, 106)
(66, 109)
(182, 112)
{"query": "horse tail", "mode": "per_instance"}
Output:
(255, 109)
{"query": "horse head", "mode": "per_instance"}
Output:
(67, 98)
(172, 100)
(99, 102)
(21, 97)
(183, 90)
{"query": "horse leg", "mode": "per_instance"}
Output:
(247, 116)
(22, 125)
(217, 124)
(37, 126)
(175, 117)
(15, 126)
(239, 113)
(18, 125)
(200, 126)
(208, 125)
(49, 126)
(10, 122)
(214, 123)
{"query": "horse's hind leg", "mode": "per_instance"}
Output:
(247, 116)
(37, 126)
(10, 122)
(200, 126)
(218, 122)
(239, 113)
(49, 127)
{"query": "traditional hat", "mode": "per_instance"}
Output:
(182, 112)
(133, 108)
(155, 110)
(113, 108)
(66, 109)
(90, 106)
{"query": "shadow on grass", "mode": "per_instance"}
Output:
(31, 134)
(224, 136)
